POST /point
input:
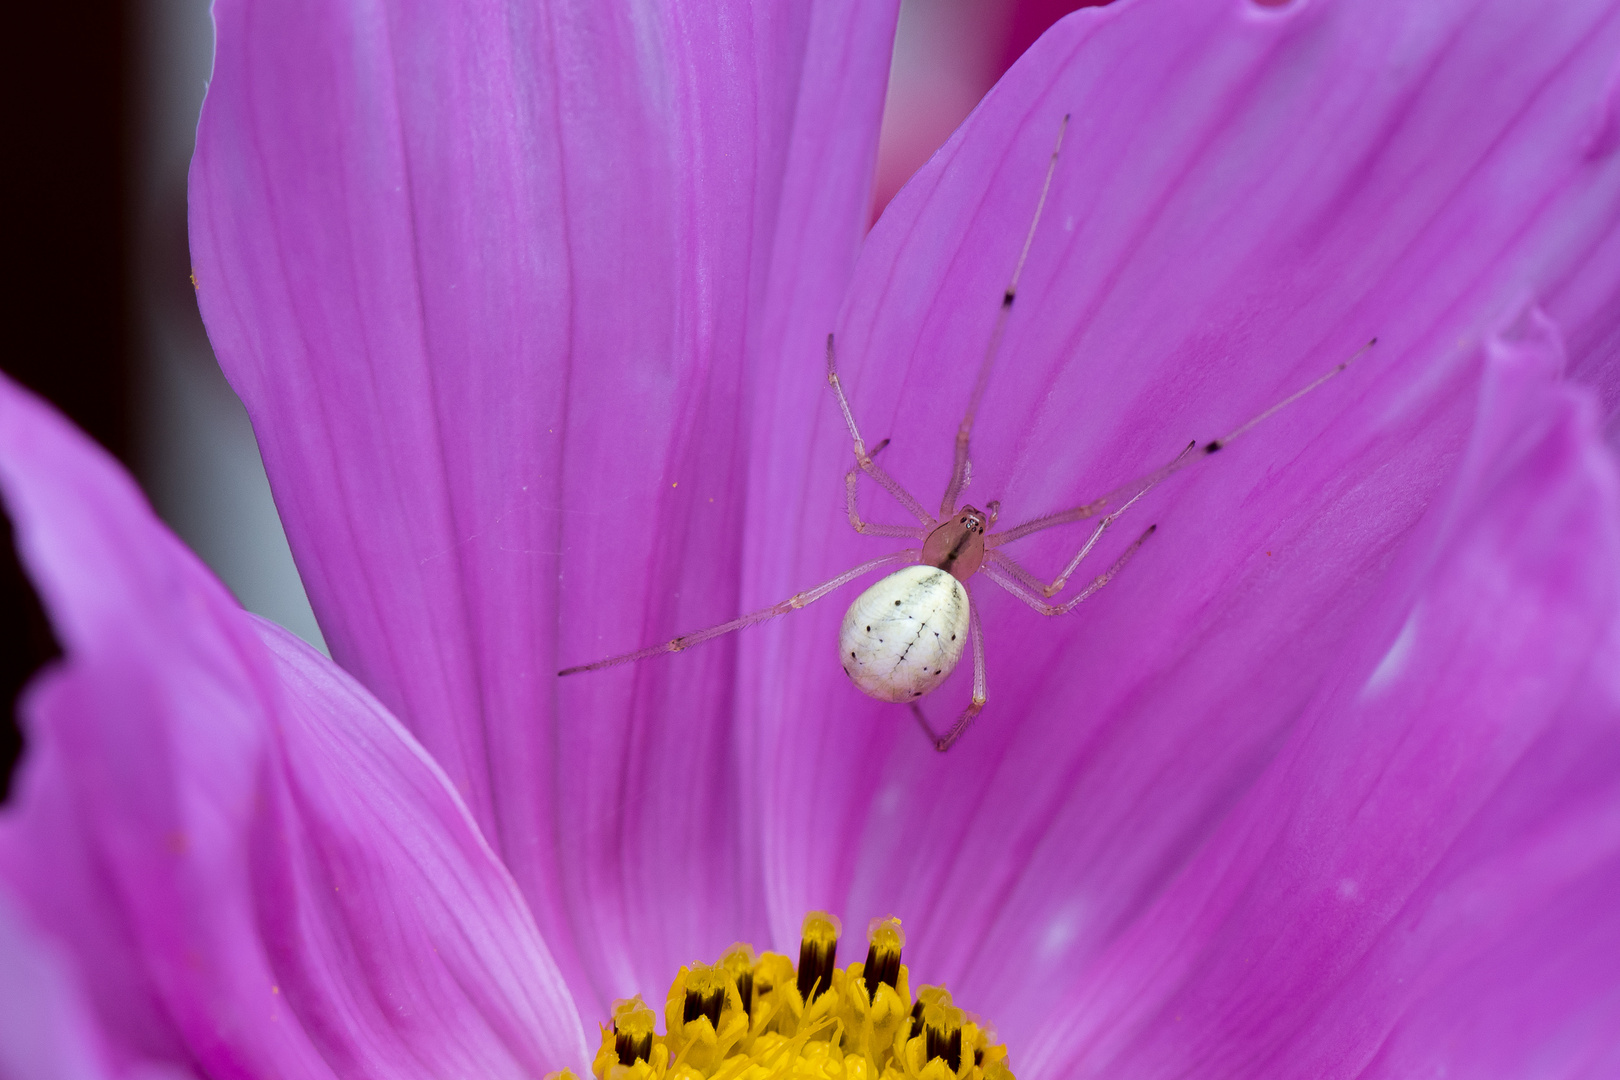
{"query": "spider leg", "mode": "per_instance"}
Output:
(998, 574)
(1129, 493)
(959, 466)
(868, 528)
(1008, 563)
(792, 603)
(974, 706)
(1013, 569)
(1137, 488)
(863, 460)
(922, 722)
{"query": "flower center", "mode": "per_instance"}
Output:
(756, 1018)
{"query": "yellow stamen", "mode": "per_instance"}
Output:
(763, 1018)
(631, 1048)
(738, 962)
(818, 955)
(883, 953)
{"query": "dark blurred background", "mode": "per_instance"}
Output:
(104, 97)
(68, 323)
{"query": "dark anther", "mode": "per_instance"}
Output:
(916, 1019)
(632, 1046)
(978, 1055)
(945, 1044)
(704, 1003)
(818, 955)
(1211, 447)
(1006, 301)
(882, 966)
(633, 1025)
(738, 963)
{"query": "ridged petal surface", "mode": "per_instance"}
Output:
(511, 293)
(250, 867)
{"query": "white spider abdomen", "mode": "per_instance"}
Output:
(902, 636)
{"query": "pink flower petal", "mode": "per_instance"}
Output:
(504, 295)
(255, 871)
(46, 1029)
(1424, 878)
(1244, 196)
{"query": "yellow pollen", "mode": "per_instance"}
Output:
(758, 1017)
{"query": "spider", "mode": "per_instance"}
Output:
(903, 637)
